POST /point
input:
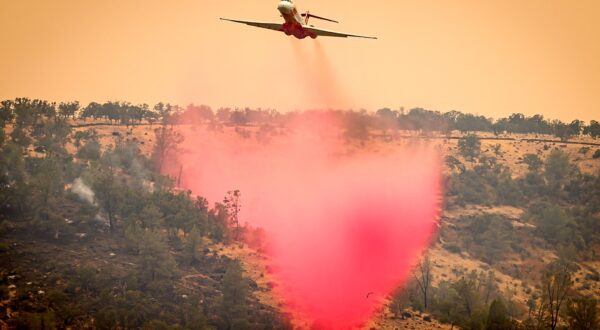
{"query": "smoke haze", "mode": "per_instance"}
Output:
(83, 191)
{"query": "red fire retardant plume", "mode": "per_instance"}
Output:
(343, 227)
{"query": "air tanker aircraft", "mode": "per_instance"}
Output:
(296, 24)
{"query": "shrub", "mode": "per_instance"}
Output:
(453, 248)
(90, 151)
(584, 150)
(3, 292)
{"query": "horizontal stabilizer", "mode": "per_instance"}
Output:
(309, 15)
(329, 33)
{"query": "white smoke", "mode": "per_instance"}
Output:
(83, 191)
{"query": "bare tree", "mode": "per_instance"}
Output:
(233, 206)
(167, 141)
(556, 285)
(489, 286)
(424, 277)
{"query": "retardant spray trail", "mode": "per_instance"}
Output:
(318, 76)
(340, 225)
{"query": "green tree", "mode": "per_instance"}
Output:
(234, 309)
(6, 116)
(490, 287)
(561, 130)
(576, 127)
(164, 111)
(181, 212)
(498, 318)
(445, 307)
(108, 193)
(133, 235)
(151, 116)
(156, 325)
(557, 168)
(468, 310)
(533, 161)
(233, 206)
(223, 114)
(20, 136)
(69, 109)
(193, 242)
(469, 146)
(6, 112)
(217, 222)
(90, 134)
(90, 150)
(388, 119)
(25, 113)
(165, 145)
(14, 191)
(46, 190)
(531, 305)
(552, 222)
(491, 234)
(582, 314)
(157, 263)
(151, 217)
(467, 294)
(51, 136)
(43, 320)
(356, 125)
(593, 129)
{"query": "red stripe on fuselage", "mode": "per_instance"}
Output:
(294, 27)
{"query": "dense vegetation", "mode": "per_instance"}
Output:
(27, 110)
(99, 239)
(159, 264)
(562, 215)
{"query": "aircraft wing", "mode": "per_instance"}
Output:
(264, 25)
(327, 33)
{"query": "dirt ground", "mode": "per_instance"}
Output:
(256, 268)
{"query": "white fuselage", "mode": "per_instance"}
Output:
(294, 24)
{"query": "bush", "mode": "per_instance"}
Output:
(582, 313)
(533, 161)
(470, 188)
(453, 248)
(3, 292)
(508, 192)
(552, 222)
(596, 154)
(491, 235)
(90, 151)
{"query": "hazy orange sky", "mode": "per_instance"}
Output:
(486, 57)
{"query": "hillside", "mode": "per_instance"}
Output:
(94, 235)
(517, 273)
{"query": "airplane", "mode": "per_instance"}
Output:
(296, 24)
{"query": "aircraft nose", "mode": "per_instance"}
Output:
(285, 7)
